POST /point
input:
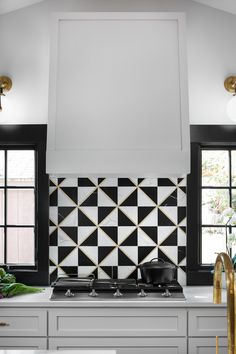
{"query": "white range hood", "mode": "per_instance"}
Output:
(118, 103)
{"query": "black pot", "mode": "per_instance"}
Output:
(157, 271)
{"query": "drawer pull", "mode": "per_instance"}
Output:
(4, 324)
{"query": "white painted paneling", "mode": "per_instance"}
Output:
(112, 78)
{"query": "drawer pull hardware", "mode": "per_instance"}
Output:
(3, 324)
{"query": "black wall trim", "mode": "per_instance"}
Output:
(201, 135)
(34, 135)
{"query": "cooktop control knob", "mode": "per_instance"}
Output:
(69, 293)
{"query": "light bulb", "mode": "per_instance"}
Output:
(231, 108)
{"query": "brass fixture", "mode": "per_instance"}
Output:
(230, 84)
(224, 261)
(5, 85)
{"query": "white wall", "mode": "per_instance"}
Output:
(24, 43)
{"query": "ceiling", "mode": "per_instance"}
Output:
(11, 5)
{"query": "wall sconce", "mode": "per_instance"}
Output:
(5, 85)
(230, 85)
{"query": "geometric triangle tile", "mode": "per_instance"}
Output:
(151, 231)
(71, 219)
(85, 271)
(111, 219)
(165, 182)
(182, 182)
(86, 182)
(167, 216)
(144, 239)
(131, 239)
(63, 213)
(53, 198)
(84, 218)
(171, 200)
(104, 239)
(69, 182)
(134, 274)
(103, 212)
(151, 192)
(109, 182)
(143, 212)
(181, 237)
(110, 271)
(71, 259)
(181, 254)
(60, 180)
(125, 182)
(84, 259)
(171, 252)
(84, 232)
(125, 271)
(63, 252)
(111, 231)
(171, 240)
(91, 213)
(124, 232)
(131, 212)
(53, 181)
(92, 199)
(103, 252)
(70, 270)
(104, 199)
(71, 232)
(111, 192)
(70, 192)
(131, 200)
(53, 236)
(64, 239)
(108, 256)
(146, 253)
(150, 219)
(164, 193)
(123, 219)
(53, 254)
(124, 259)
(144, 199)
(148, 182)
(61, 272)
(164, 232)
(102, 274)
(85, 193)
(64, 200)
(181, 198)
(91, 240)
(53, 214)
(181, 214)
(130, 252)
(91, 252)
(124, 193)
(181, 276)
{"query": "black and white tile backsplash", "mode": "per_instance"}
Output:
(107, 226)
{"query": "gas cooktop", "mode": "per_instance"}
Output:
(82, 288)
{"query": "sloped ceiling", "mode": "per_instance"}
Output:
(12, 5)
(224, 5)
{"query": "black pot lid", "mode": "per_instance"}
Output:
(158, 263)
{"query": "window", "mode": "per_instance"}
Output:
(24, 203)
(17, 206)
(211, 188)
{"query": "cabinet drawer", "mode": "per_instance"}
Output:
(23, 343)
(23, 322)
(115, 322)
(208, 322)
(207, 346)
(123, 345)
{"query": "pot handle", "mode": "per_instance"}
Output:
(157, 259)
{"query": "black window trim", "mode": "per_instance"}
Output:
(219, 136)
(33, 137)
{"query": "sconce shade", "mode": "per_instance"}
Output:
(231, 109)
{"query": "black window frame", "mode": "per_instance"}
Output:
(202, 136)
(33, 137)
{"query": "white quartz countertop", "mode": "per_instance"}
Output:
(196, 296)
(56, 352)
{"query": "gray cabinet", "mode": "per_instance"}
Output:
(33, 343)
(206, 346)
